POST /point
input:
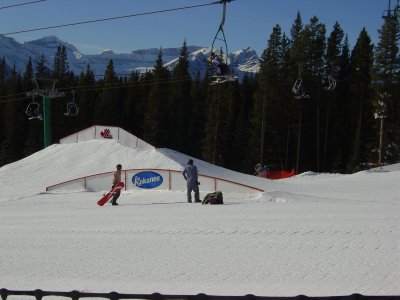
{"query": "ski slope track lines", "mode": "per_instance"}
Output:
(311, 234)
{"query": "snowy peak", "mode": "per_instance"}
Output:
(240, 62)
(51, 42)
(107, 52)
(7, 42)
(48, 46)
(246, 60)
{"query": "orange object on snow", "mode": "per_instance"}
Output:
(277, 174)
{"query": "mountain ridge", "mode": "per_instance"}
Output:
(17, 54)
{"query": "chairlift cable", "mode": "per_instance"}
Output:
(21, 4)
(98, 88)
(113, 18)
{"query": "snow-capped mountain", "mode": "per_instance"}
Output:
(242, 61)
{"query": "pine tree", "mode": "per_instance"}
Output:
(86, 98)
(2, 103)
(61, 66)
(343, 115)
(15, 121)
(297, 27)
(108, 110)
(307, 54)
(387, 75)
(212, 144)
(316, 42)
(361, 105)
(197, 116)
(2, 72)
(333, 52)
(156, 116)
(269, 107)
(28, 74)
(133, 106)
(41, 69)
(180, 103)
(239, 153)
(229, 111)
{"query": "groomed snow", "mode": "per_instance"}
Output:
(313, 234)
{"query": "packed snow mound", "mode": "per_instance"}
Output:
(69, 161)
(63, 162)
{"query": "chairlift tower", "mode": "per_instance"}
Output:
(392, 11)
(380, 114)
(45, 87)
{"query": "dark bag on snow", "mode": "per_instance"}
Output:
(214, 198)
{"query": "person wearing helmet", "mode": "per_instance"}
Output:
(116, 179)
(191, 176)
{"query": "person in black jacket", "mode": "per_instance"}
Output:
(191, 176)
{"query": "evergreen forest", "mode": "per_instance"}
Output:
(347, 113)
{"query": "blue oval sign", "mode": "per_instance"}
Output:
(147, 180)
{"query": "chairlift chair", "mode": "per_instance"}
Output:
(220, 35)
(331, 84)
(298, 89)
(33, 110)
(72, 108)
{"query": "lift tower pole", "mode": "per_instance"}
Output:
(47, 91)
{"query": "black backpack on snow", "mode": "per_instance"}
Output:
(214, 198)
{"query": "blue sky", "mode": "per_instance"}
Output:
(248, 22)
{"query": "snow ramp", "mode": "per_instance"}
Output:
(91, 156)
(100, 132)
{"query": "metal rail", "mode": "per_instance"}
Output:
(76, 295)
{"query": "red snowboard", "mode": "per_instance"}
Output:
(111, 193)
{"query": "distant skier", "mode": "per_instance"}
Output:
(116, 180)
(263, 171)
(191, 176)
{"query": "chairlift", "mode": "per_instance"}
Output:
(391, 12)
(331, 84)
(298, 89)
(219, 61)
(33, 110)
(385, 14)
(72, 108)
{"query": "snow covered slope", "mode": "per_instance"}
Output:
(313, 234)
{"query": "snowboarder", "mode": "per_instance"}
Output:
(116, 180)
(191, 176)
